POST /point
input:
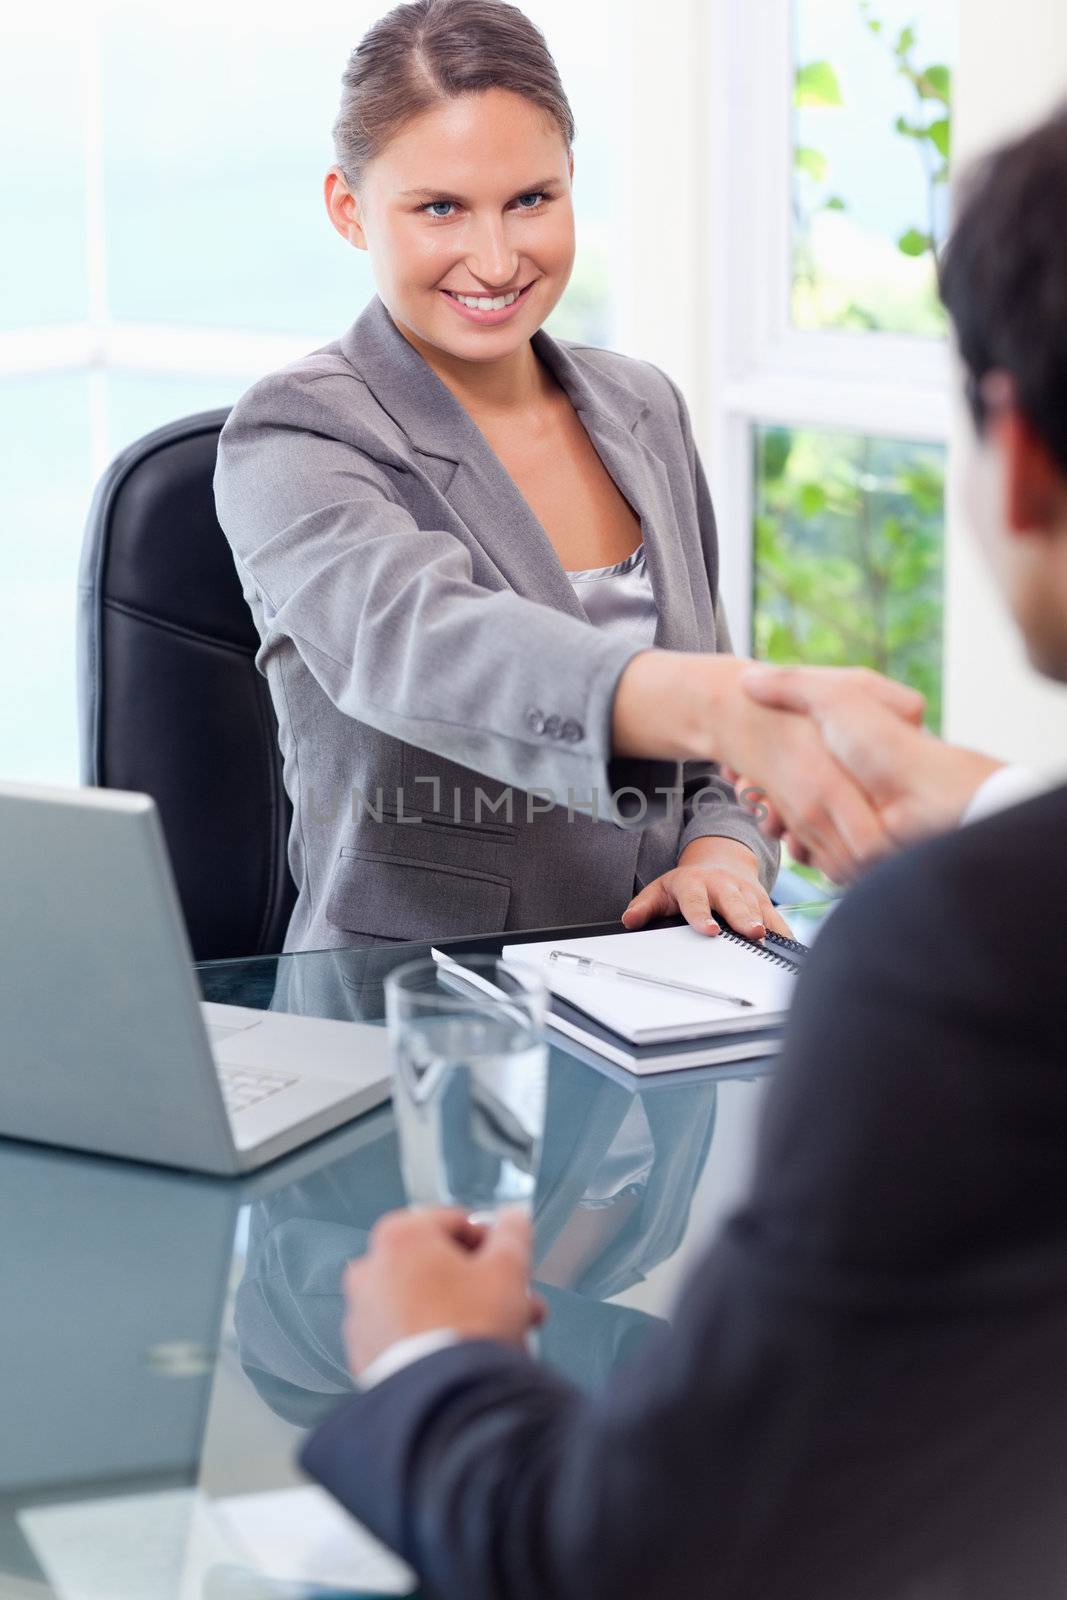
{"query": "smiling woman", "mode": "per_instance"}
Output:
(416, 510)
(466, 211)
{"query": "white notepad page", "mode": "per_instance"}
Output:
(644, 1013)
(176, 1544)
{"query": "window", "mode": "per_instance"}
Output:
(829, 129)
(829, 367)
(848, 553)
(165, 168)
(871, 142)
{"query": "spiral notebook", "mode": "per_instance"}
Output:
(651, 1029)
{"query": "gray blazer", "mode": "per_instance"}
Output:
(443, 703)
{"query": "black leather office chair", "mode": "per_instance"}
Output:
(169, 699)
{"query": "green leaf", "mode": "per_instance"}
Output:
(925, 486)
(775, 452)
(813, 162)
(940, 134)
(812, 499)
(781, 644)
(936, 84)
(910, 130)
(835, 203)
(914, 243)
(766, 536)
(817, 85)
(859, 316)
(906, 41)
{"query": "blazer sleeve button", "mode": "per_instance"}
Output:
(553, 727)
(572, 731)
(535, 720)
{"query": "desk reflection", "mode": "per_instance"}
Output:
(165, 1336)
(617, 1177)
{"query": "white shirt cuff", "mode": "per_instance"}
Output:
(1008, 786)
(404, 1353)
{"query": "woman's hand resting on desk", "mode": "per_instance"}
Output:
(711, 875)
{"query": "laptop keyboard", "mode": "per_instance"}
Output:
(245, 1086)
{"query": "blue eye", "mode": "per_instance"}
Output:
(535, 196)
(432, 208)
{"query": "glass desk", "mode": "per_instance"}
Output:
(167, 1339)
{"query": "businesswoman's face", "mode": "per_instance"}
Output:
(470, 202)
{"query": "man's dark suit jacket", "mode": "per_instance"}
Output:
(864, 1393)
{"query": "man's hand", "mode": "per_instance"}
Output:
(437, 1269)
(819, 804)
(712, 875)
(679, 706)
(917, 784)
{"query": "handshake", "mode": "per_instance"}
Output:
(837, 758)
(874, 778)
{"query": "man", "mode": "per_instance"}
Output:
(864, 1392)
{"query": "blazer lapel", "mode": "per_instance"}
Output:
(614, 418)
(641, 475)
(458, 459)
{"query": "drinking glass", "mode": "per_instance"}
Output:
(470, 1072)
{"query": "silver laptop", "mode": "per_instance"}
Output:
(104, 1042)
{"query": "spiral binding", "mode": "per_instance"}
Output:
(761, 950)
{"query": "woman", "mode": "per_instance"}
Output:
(483, 563)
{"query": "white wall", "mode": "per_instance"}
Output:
(663, 280)
(1012, 69)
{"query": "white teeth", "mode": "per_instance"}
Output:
(484, 303)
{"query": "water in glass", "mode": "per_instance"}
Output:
(470, 1108)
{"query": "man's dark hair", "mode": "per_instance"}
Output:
(1003, 277)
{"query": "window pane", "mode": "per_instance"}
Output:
(848, 554)
(47, 480)
(216, 139)
(872, 133)
(43, 273)
(137, 402)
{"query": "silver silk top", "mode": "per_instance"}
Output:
(619, 598)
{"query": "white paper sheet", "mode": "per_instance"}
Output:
(301, 1536)
(179, 1545)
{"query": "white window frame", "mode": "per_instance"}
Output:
(761, 370)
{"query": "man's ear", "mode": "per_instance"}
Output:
(1033, 483)
(343, 208)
